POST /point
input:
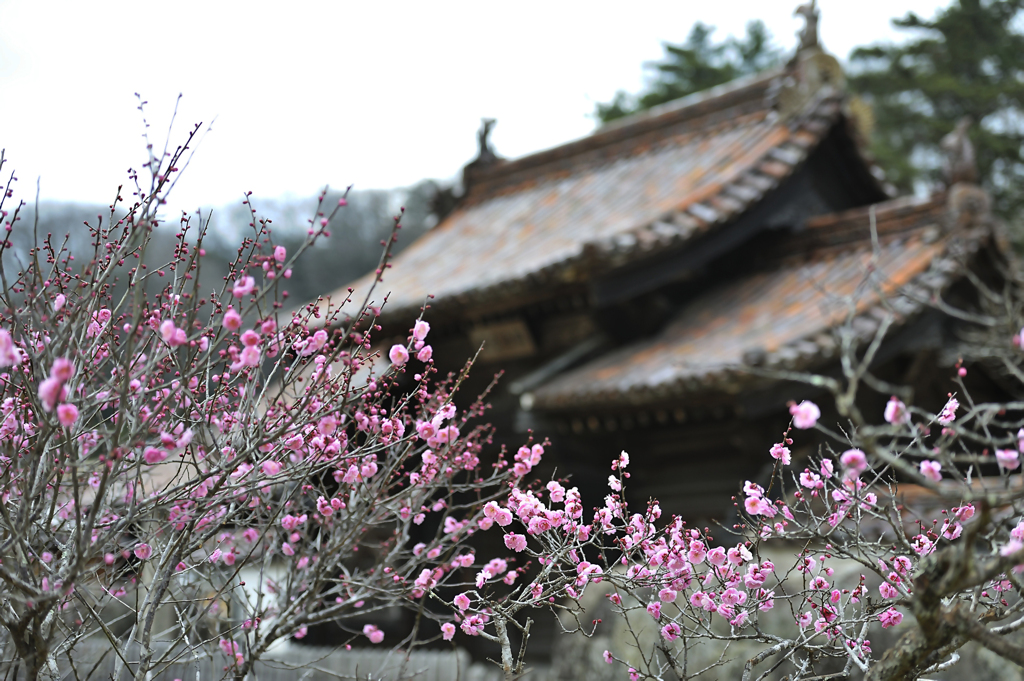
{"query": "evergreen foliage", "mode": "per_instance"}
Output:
(967, 61)
(697, 64)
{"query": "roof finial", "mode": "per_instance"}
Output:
(960, 164)
(809, 35)
(485, 157)
(486, 153)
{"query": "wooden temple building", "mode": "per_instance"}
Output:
(642, 287)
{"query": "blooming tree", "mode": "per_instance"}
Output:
(191, 473)
(831, 549)
(161, 444)
(829, 553)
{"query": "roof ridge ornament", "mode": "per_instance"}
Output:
(967, 204)
(811, 73)
(485, 153)
(446, 199)
(485, 156)
(809, 34)
(960, 163)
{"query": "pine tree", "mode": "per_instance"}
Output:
(695, 65)
(967, 61)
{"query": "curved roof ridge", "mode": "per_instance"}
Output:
(693, 99)
(660, 180)
(753, 92)
(903, 205)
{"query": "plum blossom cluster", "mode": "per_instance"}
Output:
(840, 509)
(205, 456)
(844, 543)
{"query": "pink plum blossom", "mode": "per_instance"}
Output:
(250, 337)
(805, 415)
(739, 554)
(51, 391)
(171, 334)
(67, 414)
(10, 355)
(516, 542)
(931, 470)
(472, 625)
(447, 631)
(964, 513)
(896, 412)
(854, 461)
(372, 632)
(948, 413)
(62, 370)
(250, 357)
(811, 480)
(243, 287)
(232, 320)
(890, 618)
(951, 530)
(781, 453)
(699, 599)
(323, 506)
(1008, 459)
(398, 355)
(758, 506)
(732, 596)
(143, 551)
(153, 455)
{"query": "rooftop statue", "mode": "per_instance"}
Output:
(960, 164)
(486, 153)
(809, 35)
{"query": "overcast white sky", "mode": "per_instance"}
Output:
(379, 94)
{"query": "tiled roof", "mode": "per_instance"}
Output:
(781, 316)
(656, 180)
